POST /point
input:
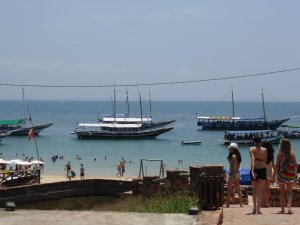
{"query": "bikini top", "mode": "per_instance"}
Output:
(260, 160)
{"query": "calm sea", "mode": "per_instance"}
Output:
(100, 157)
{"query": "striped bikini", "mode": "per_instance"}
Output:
(286, 172)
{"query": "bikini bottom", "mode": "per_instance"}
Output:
(260, 174)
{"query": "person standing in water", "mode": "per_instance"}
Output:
(81, 171)
(69, 171)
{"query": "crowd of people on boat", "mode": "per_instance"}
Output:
(247, 136)
(264, 171)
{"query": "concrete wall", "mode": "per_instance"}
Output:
(40, 192)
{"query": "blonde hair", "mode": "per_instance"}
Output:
(286, 149)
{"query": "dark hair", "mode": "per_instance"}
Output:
(257, 139)
(237, 153)
(270, 150)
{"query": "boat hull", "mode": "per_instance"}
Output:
(158, 124)
(272, 140)
(191, 142)
(37, 129)
(3, 135)
(122, 135)
(245, 125)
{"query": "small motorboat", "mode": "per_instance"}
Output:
(190, 142)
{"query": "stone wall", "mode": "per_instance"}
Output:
(274, 196)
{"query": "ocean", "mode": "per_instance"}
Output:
(100, 157)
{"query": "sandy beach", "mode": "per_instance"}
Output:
(53, 178)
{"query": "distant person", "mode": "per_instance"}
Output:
(286, 172)
(258, 172)
(270, 171)
(234, 159)
(81, 171)
(73, 173)
(123, 167)
(69, 171)
(119, 169)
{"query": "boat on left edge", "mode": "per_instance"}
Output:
(19, 127)
(4, 134)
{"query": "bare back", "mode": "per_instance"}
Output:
(259, 157)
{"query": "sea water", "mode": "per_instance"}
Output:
(100, 157)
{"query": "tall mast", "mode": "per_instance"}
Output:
(141, 108)
(35, 142)
(114, 104)
(24, 106)
(232, 102)
(263, 102)
(127, 103)
(150, 105)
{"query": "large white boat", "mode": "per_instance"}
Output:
(126, 118)
(146, 122)
(119, 127)
(117, 130)
(246, 137)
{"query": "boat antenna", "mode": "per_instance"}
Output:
(35, 142)
(114, 103)
(150, 104)
(232, 102)
(127, 103)
(141, 107)
(263, 102)
(24, 105)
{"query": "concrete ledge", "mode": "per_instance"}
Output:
(211, 217)
(40, 192)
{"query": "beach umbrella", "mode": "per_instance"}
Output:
(15, 161)
(19, 162)
(25, 163)
(2, 161)
(36, 162)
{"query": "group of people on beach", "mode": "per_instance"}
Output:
(264, 171)
(71, 174)
(121, 168)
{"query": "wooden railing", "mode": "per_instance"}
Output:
(15, 178)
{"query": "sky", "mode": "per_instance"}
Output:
(134, 42)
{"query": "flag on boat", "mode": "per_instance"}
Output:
(31, 134)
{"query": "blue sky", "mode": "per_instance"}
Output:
(101, 42)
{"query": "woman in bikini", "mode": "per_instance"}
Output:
(286, 172)
(234, 159)
(258, 173)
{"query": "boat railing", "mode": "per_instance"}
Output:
(112, 130)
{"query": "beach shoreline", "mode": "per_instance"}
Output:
(45, 179)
